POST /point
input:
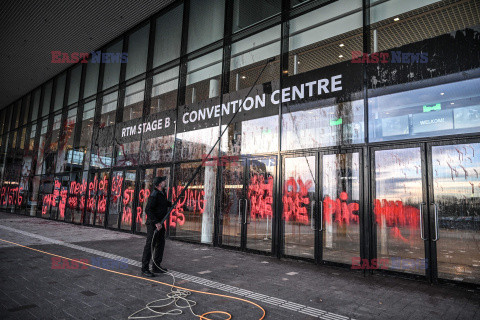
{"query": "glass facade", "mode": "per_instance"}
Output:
(350, 132)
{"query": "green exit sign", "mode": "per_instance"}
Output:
(436, 107)
(336, 122)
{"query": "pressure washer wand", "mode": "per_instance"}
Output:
(218, 140)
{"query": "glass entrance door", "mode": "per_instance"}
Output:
(259, 206)
(340, 193)
(146, 188)
(233, 203)
(399, 209)
(248, 203)
(455, 204)
(299, 206)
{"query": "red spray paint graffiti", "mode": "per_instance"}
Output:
(339, 211)
(294, 202)
(127, 210)
(260, 194)
(77, 196)
(63, 202)
(394, 214)
(142, 199)
(92, 191)
(116, 188)
(11, 196)
(177, 216)
(102, 196)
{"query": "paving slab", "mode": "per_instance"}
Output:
(287, 289)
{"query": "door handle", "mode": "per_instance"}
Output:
(420, 206)
(312, 210)
(321, 216)
(436, 221)
(239, 211)
(245, 211)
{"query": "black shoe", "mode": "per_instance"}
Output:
(147, 273)
(159, 270)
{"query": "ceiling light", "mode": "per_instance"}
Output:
(396, 19)
(442, 93)
(243, 77)
(452, 103)
(341, 45)
(340, 56)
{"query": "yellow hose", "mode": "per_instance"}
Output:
(202, 317)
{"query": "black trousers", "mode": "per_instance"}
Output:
(158, 247)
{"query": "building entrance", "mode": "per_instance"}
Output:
(247, 220)
(427, 209)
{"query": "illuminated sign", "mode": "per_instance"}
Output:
(432, 121)
(436, 107)
(336, 122)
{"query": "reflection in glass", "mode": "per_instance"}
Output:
(232, 203)
(91, 200)
(82, 154)
(251, 136)
(248, 12)
(456, 188)
(260, 200)
(446, 109)
(164, 91)
(325, 36)
(412, 15)
(192, 217)
(47, 96)
(203, 77)
(157, 150)
(249, 56)
(111, 75)
(137, 52)
(60, 193)
(74, 86)
(133, 102)
(398, 195)
(127, 154)
(41, 147)
(103, 184)
(102, 146)
(298, 199)
(109, 107)
(59, 92)
(341, 205)
(65, 154)
(196, 144)
(127, 200)
(76, 197)
(203, 31)
(339, 124)
(168, 36)
(91, 79)
(34, 196)
(36, 104)
(115, 206)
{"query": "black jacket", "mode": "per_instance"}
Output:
(157, 206)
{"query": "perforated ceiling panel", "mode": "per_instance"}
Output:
(30, 30)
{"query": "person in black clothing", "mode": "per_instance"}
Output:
(156, 209)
